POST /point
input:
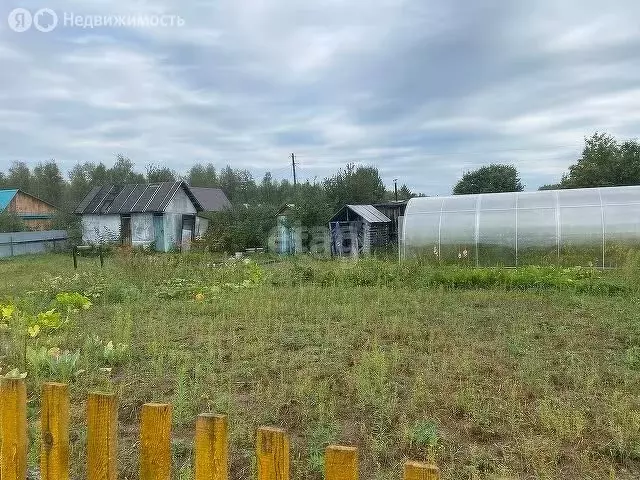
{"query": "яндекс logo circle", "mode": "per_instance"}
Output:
(20, 20)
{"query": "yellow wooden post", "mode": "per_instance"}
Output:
(13, 413)
(102, 436)
(212, 451)
(341, 463)
(421, 471)
(272, 451)
(54, 458)
(155, 442)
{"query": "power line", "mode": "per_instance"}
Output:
(436, 154)
(387, 163)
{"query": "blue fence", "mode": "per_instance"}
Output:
(22, 243)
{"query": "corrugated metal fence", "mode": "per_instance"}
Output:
(22, 243)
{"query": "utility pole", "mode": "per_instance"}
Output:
(395, 187)
(293, 165)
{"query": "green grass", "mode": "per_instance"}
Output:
(530, 373)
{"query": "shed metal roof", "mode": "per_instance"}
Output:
(211, 199)
(6, 196)
(133, 198)
(87, 199)
(368, 213)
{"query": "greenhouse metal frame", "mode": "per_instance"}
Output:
(589, 226)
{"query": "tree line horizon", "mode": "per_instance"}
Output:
(605, 161)
(47, 182)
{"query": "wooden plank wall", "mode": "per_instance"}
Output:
(24, 203)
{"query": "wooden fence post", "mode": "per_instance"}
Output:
(421, 471)
(13, 447)
(155, 442)
(341, 463)
(54, 458)
(102, 436)
(272, 452)
(212, 451)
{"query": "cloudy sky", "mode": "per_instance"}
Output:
(422, 89)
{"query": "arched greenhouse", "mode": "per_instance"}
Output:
(588, 226)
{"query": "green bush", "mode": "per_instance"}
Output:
(10, 222)
(239, 228)
(371, 272)
(71, 223)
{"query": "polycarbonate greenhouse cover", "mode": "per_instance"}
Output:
(524, 227)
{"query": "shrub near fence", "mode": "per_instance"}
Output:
(211, 445)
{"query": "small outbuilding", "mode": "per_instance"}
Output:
(34, 212)
(288, 237)
(159, 214)
(395, 211)
(358, 230)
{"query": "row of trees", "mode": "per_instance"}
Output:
(315, 201)
(352, 184)
(605, 162)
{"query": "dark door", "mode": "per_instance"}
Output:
(189, 225)
(125, 230)
(158, 226)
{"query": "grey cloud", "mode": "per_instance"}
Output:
(422, 89)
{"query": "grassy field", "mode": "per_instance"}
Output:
(506, 374)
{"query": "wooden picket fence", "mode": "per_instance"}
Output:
(211, 447)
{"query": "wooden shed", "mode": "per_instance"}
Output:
(33, 211)
(395, 211)
(358, 230)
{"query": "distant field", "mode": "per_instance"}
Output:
(532, 373)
